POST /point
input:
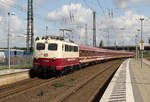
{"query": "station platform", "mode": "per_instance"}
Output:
(10, 71)
(131, 83)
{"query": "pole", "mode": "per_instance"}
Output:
(136, 45)
(86, 38)
(63, 30)
(141, 40)
(8, 41)
(30, 27)
(138, 52)
(94, 29)
(108, 38)
(46, 30)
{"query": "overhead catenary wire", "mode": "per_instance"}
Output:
(100, 7)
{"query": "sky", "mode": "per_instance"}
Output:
(117, 21)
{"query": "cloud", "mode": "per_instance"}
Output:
(123, 28)
(5, 5)
(73, 16)
(16, 28)
(73, 13)
(16, 25)
(123, 4)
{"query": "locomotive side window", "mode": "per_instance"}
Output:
(71, 48)
(63, 48)
(66, 47)
(52, 46)
(75, 49)
(40, 46)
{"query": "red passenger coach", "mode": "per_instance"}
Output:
(57, 57)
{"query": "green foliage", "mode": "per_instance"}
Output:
(146, 54)
(21, 66)
(58, 84)
(71, 80)
(15, 67)
(41, 93)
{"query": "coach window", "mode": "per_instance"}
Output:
(52, 46)
(40, 46)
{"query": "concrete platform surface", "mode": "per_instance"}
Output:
(9, 71)
(131, 83)
(7, 78)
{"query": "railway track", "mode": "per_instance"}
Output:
(83, 92)
(28, 87)
(22, 86)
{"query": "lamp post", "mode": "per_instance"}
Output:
(8, 40)
(138, 41)
(141, 19)
(136, 46)
(122, 29)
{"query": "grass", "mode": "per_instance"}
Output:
(15, 67)
(146, 54)
(41, 93)
(21, 66)
(3, 67)
(71, 80)
(58, 84)
(63, 84)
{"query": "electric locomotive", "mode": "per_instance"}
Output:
(52, 56)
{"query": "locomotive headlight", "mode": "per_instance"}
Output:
(36, 57)
(45, 54)
(53, 59)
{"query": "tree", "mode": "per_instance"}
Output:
(101, 44)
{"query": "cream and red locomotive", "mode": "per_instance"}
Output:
(52, 56)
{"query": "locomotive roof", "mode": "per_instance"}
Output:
(56, 41)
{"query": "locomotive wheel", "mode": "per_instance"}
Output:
(58, 73)
(65, 71)
(71, 69)
(32, 73)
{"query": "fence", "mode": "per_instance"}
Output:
(16, 62)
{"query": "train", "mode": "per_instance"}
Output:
(58, 57)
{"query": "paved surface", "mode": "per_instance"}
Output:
(9, 71)
(131, 83)
(7, 78)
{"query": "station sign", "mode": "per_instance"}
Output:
(141, 41)
(141, 45)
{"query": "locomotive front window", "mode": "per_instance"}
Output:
(40, 46)
(52, 46)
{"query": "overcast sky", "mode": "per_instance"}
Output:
(118, 19)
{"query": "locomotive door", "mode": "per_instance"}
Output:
(63, 55)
